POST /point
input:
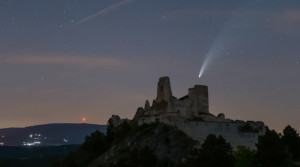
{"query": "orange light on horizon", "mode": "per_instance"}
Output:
(83, 119)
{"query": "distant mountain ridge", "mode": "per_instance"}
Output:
(51, 134)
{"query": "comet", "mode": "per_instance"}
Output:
(226, 38)
(216, 51)
(218, 47)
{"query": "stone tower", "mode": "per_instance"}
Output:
(164, 93)
(190, 113)
(198, 100)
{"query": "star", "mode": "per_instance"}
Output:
(43, 77)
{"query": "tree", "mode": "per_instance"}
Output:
(292, 140)
(116, 129)
(95, 143)
(271, 152)
(244, 157)
(214, 152)
(93, 146)
(111, 128)
(138, 158)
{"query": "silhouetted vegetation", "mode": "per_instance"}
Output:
(199, 119)
(272, 149)
(292, 140)
(116, 132)
(214, 152)
(248, 128)
(41, 156)
(94, 145)
(137, 158)
(160, 145)
(110, 130)
(244, 157)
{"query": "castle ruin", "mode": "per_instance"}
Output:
(191, 114)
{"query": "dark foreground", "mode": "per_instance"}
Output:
(43, 156)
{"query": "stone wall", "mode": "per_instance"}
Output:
(180, 107)
(164, 91)
(191, 105)
(198, 97)
(191, 114)
(199, 130)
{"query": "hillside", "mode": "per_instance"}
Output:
(161, 145)
(51, 134)
(127, 144)
(147, 142)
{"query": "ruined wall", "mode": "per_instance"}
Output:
(180, 107)
(194, 104)
(199, 130)
(164, 94)
(191, 114)
(164, 91)
(198, 97)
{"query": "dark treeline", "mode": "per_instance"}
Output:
(273, 150)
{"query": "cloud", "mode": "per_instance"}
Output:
(104, 11)
(288, 21)
(292, 15)
(91, 62)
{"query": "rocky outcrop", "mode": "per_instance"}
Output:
(166, 142)
(139, 113)
(147, 106)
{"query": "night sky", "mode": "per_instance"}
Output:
(62, 60)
